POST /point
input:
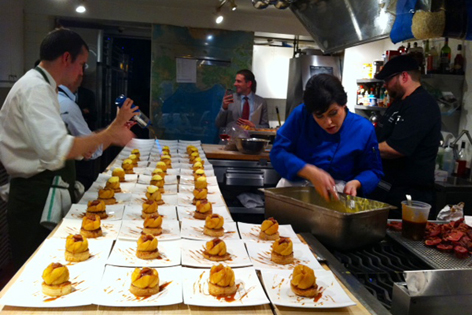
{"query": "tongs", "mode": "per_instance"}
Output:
(347, 200)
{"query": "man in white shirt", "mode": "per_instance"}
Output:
(34, 144)
(244, 107)
(71, 114)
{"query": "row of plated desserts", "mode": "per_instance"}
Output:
(145, 280)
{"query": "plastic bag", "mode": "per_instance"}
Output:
(451, 213)
(401, 29)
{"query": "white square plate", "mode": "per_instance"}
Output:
(131, 229)
(77, 212)
(26, 291)
(121, 199)
(53, 249)
(134, 212)
(125, 187)
(212, 190)
(192, 254)
(170, 171)
(193, 229)
(138, 199)
(185, 199)
(116, 281)
(251, 232)
(124, 254)
(250, 291)
(104, 177)
(146, 179)
(190, 180)
(110, 229)
(260, 256)
(208, 171)
(141, 189)
(277, 284)
(186, 213)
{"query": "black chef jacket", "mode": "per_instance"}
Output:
(412, 127)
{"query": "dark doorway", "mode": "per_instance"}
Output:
(138, 52)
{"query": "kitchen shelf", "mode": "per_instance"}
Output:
(376, 108)
(365, 81)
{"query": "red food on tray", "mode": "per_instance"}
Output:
(453, 236)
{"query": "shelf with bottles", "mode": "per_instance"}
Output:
(371, 93)
(373, 108)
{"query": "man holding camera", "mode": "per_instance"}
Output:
(244, 107)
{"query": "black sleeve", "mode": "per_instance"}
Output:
(417, 118)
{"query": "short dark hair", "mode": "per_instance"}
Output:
(249, 76)
(321, 91)
(59, 41)
(415, 75)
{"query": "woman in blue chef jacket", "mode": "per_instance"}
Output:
(324, 143)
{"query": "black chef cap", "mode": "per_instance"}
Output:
(397, 65)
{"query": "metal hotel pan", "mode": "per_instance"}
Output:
(349, 223)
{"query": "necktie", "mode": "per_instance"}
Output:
(245, 114)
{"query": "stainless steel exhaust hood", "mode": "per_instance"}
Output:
(339, 24)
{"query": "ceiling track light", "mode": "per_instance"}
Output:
(81, 7)
(233, 5)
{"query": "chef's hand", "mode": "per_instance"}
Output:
(228, 99)
(352, 187)
(125, 113)
(323, 182)
(245, 122)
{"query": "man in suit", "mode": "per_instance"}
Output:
(244, 107)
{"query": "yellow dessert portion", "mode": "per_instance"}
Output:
(269, 229)
(197, 166)
(191, 148)
(149, 207)
(214, 225)
(77, 248)
(56, 280)
(153, 193)
(113, 183)
(127, 166)
(91, 226)
(201, 183)
(147, 247)
(137, 153)
(158, 171)
(282, 251)
(152, 224)
(215, 250)
(157, 180)
(107, 195)
(144, 282)
(134, 159)
(162, 166)
(118, 171)
(304, 281)
(222, 281)
(199, 173)
(166, 159)
(193, 156)
(203, 209)
(198, 160)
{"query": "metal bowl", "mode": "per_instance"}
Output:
(251, 145)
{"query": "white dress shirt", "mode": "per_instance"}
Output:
(33, 137)
(72, 116)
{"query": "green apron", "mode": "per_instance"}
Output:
(26, 201)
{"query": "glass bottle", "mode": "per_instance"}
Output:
(142, 120)
(434, 59)
(459, 61)
(445, 57)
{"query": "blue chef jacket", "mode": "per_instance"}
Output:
(351, 153)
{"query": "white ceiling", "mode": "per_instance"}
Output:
(191, 13)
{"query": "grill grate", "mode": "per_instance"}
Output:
(431, 256)
(377, 267)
